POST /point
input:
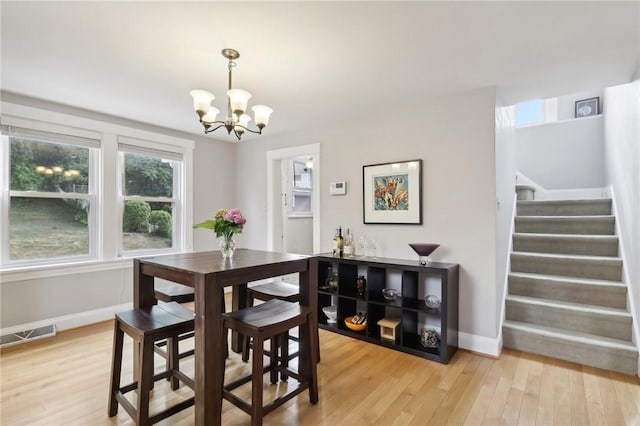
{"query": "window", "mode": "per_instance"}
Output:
(87, 191)
(301, 188)
(50, 212)
(537, 111)
(150, 192)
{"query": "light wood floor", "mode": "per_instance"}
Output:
(64, 381)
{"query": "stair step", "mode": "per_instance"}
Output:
(582, 348)
(597, 320)
(576, 290)
(593, 267)
(593, 207)
(593, 245)
(576, 225)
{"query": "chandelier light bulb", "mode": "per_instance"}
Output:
(201, 101)
(239, 99)
(210, 116)
(261, 114)
(244, 122)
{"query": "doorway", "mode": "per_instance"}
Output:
(283, 222)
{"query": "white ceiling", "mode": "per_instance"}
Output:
(313, 63)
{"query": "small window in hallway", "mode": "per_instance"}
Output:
(536, 111)
(529, 112)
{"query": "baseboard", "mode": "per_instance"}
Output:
(484, 345)
(72, 321)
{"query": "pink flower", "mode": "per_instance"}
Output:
(236, 217)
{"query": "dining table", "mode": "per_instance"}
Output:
(209, 273)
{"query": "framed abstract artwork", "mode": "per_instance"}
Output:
(587, 107)
(392, 193)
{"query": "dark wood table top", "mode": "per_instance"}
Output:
(246, 265)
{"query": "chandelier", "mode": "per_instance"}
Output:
(236, 121)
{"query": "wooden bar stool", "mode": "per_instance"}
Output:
(280, 290)
(271, 321)
(272, 290)
(147, 326)
(174, 293)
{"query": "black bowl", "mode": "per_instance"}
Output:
(424, 249)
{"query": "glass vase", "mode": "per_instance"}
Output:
(227, 246)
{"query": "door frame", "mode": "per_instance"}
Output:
(273, 158)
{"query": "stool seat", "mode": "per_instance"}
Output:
(272, 320)
(146, 326)
(274, 290)
(174, 293)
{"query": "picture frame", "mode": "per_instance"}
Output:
(587, 107)
(392, 193)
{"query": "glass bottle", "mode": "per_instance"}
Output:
(348, 244)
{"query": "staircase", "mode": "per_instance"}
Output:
(566, 298)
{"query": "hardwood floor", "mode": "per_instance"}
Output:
(64, 380)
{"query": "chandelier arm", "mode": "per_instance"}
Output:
(215, 128)
(258, 132)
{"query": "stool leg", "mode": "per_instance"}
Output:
(145, 382)
(273, 359)
(173, 361)
(256, 385)
(284, 354)
(116, 368)
(246, 340)
(310, 362)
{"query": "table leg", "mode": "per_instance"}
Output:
(238, 301)
(143, 297)
(209, 352)
(309, 297)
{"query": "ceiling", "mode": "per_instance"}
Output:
(313, 63)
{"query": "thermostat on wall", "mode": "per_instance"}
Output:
(338, 188)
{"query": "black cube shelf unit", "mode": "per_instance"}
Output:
(409, 307)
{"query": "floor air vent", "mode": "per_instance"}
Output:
(27, 335)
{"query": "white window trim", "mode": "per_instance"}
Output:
(109, 133)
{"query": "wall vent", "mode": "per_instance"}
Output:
(11, 339)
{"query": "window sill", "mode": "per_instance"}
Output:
(47, 271)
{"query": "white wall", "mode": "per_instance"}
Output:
(505, 200)
(622, 145)
(454, 137)
(94, 292)
(563, 155)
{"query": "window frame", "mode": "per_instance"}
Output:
(302, 190)
(177, 237)
(91, 195)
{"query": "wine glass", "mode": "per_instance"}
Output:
(373, 245)
(362, 242)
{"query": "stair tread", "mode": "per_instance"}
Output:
(585, 281)
(575, 336)
(570, 305)
(567, 256)
(566, 217)
(577, 201)
(565, 236)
